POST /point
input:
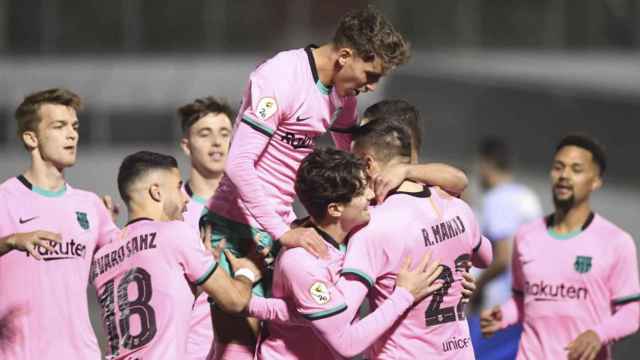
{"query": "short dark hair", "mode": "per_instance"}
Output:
(138, 164)
(386, 137)
(497, 151)
(192, 112)
(588, 143)
(27, 112)
(328, 176)
(370, 35)
(400, 110)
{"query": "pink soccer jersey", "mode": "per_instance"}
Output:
(200, 338)
(308, 285)
(146, 300)
(51, 293)
(567, 284)
(410, 224)
(284, 109)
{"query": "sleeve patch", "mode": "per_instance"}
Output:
(267, 106)
(320, 293)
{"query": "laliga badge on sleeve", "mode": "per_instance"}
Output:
(267, 106)
(320, 293)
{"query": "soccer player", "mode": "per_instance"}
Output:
(145, 277)
(426, 219)
(575, 274)
(332, 187)
(206, 132)
(506, 205)
(290, 100)
(57, 229)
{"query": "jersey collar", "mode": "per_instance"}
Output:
(194, 197)
(41, 191)
(424, 193)
(549, 224)
(328, 238)
(324, 89)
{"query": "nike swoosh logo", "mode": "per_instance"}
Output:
(26, 220)
(298, 119)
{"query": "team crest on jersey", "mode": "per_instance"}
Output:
(266, 107)
(582, 264)
(320, 293)
(83, 220)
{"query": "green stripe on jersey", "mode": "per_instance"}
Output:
(49, 193)
(257, 126)
(556, 235)
(323, 88)
(326, 313)
(626, 299)
(359, 274)
(207, 274)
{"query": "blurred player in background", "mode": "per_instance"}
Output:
(332, 187)
(56, 229)
(575, 274)
(506, 205)
(206, 133)
(290, 100)
(145, 278)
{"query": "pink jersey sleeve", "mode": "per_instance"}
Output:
(350, 339)
(260, 116)
(5, 228)
(314, 295)
(624, 288)
(513, 309)
(107, 228)
(272, 309)
(197, 263)
(347, 119)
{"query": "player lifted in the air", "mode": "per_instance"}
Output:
(206, 133)
(575, 274)
(57, 229)
(290, 100)
(146, 276)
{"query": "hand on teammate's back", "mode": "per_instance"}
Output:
(420, 280)
(27, 241)
(585, 347)
(490, 321)
(307, 238)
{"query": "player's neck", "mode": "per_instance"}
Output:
(141, 211)
(203, 186)
(325, 59)
(566, 221)
(334, 229)
(45, 175)
(410, 187)
(499, 178)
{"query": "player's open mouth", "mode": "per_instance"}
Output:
(70, 148)
(216, 156)
(563, 189)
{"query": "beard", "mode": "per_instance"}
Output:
(564, 205)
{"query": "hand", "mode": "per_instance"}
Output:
(585, 347)
(307, 238)
(111, 206)
(27, 242)
(238, 263)
(392, 177)
(468, 286)
(490, 321)
(420, 281)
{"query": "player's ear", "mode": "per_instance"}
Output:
(184, 145)
(597, 183)
(334, 210)
(30, 139)
(370, 166)
(154, 192)
(344, 54)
